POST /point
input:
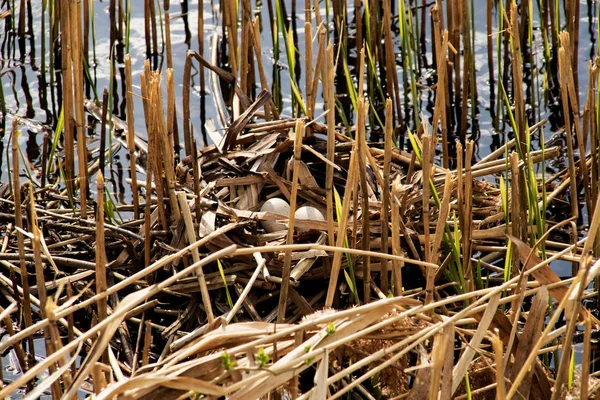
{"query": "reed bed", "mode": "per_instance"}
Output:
(416, 269)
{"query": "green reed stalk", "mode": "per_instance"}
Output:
(109, 105)
(227, 293)
(43, 39)
(86, 70)
(407, 55)
(499, 103)
(351, 277)
(290, 50)
(51, 55)
(128, 24)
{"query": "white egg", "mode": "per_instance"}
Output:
(275, 206)
(309, 212)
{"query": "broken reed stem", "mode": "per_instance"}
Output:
(189, 230)
(40, 279)
(172, 134)
(320, 64)
(285, 275)
(131, 137)
(166, 162)
(328, 76)
(148, 85)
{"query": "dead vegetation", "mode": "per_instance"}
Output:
(427, 276)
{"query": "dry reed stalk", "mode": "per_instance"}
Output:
(166, 137)
(245, 46)
(100, 251)
(328, 76)
(147, 36)
(108, 327)
(585, 365)
(167, 19)
(16, 185)
(573, 99)
(308, 59)
(270, 109)
(441, 48)
(427, 156)
(589, 111)
(572, 301)
(468, 214)
(130, 137)
(342, 226)
(498, 358)
(79, 123)
(69, 139)
(517, 71)
(112, 16)
(191, 234)
(148, 85)
(147, 343)
(362, 152)
(187, 131)
(396, 249)
(490, 50)
(385, 196)
(443, 214)
(563, 65)
(153, 27)
(57, 343)
(391, 78)
(285, 275)
(319, 66)
(9, 326)
(201, 48)
(572, 19)
(230, 22)
(103, 124)
(41, 281)
(70, 326)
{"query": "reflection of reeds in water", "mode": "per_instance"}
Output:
(451, 249)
